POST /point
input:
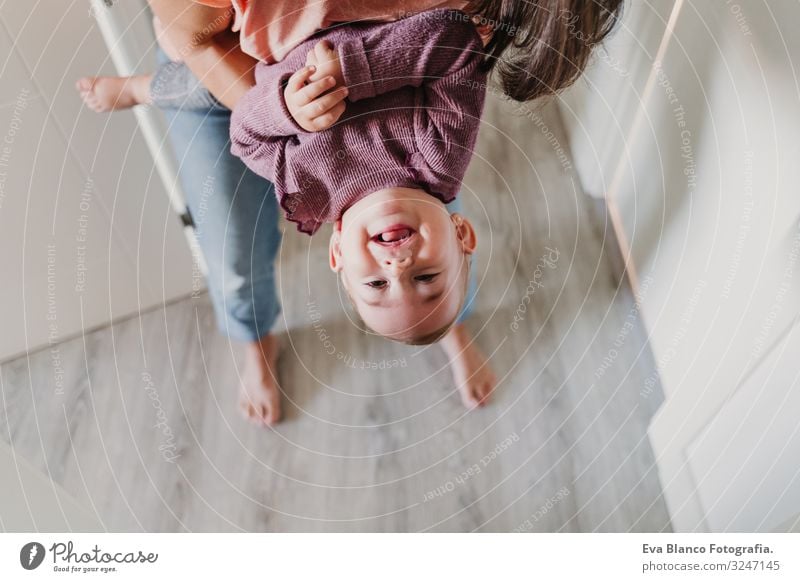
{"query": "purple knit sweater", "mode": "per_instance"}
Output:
(416, 93)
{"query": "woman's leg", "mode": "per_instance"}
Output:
(103, 94)
(235, 214)
(173, 86)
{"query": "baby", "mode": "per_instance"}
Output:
(371, 127)
(385, 170)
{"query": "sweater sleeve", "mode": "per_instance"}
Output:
(261, 124)
(441, 53)
(448, 117)
(416, 50)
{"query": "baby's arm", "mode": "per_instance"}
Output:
(411, 52)
(276, 110)
(442, 53)
(261, 123)
(449, 117)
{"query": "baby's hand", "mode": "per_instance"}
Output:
(308, 93)
(325, 58)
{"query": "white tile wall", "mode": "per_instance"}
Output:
(136, 255)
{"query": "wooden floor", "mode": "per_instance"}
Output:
(148, 436)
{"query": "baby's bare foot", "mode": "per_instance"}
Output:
(471, 370)
(103, 94)
(260, 398)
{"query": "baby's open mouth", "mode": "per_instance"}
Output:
(394, 235)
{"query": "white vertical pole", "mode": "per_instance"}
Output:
(125, 61)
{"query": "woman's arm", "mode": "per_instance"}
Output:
(203, 38)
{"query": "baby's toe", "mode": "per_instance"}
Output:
(248, 410)
(268, 415)
(250, 413)
(468, 397)
(257, 415)
(490, 383)
(273, 413)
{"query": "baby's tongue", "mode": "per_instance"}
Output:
(395, 235)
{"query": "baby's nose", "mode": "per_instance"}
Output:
(397, 263)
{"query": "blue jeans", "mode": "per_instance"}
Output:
(235, 213)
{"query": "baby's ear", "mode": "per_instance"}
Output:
(465, 233)
(334, 249)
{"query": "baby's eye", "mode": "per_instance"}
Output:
(377, 284)
(426, 278)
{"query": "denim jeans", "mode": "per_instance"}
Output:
(173, 86)
(235, 211)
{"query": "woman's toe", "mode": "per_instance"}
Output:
(84, 84)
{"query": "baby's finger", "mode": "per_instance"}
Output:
(326, 102)
(298, 80)
(311, 58)
(323, 51)
(325, 120)
(314, 90)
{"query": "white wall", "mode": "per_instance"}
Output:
(31, 501)
(704, 190)
(69, 174)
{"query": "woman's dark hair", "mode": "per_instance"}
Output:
(542, 46)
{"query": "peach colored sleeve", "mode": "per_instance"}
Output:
(269, 29)
(215, 3)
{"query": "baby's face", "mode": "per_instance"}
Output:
(403, 260)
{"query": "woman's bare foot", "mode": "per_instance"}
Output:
(471, 369)
(103, 94)
(260, 398)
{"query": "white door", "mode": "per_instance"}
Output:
(746, 463)
(696, 153)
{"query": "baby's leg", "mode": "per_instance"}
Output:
(103, 94)
(472, 372)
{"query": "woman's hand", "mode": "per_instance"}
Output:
(315, 95)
